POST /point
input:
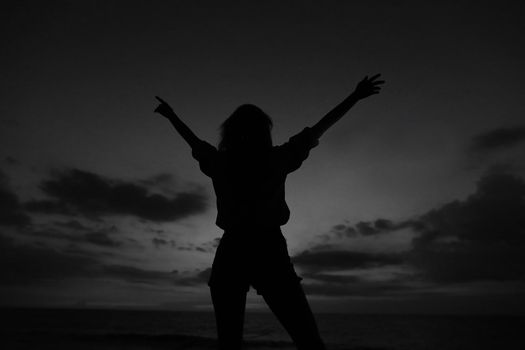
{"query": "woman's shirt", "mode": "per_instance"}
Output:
(249, 185)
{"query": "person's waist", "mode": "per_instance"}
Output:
(251, 220)
(239, 230)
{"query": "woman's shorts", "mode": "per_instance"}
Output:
(245, 259)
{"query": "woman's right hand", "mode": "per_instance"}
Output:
(368, 87)
(164, 108)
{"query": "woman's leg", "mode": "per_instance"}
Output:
(290, 306)
(229, 304)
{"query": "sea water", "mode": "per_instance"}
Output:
(132, 329)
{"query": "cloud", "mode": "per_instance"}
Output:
(360, 288)
(82, 193)
(159, 242)
(34, 265)
(48, 207)
(374, 276)
(333, 279)
(72, 225)
(101, 239)
(30, 264)
(333, 260)
(12, 213)
(77, 233)
(369, 228)
(11, 160)
(199, 278)
(163, 182)
(209, 246)
(480, 238)
(133, 274)
(206, 247)
(497, 139)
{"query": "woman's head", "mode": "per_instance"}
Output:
(248, 128)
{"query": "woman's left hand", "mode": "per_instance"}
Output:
(164, 108)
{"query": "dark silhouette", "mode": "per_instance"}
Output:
(248, 175)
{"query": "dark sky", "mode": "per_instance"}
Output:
(414, 202)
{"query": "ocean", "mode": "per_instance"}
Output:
(130, 329)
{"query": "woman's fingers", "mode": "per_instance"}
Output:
(164, 108)
(160, 100)
(375, 77)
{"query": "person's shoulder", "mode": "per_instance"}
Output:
(203, 150)
(306, 138)
(206, 145)
(306, 132)
(294, 151)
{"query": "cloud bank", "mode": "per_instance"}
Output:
(75, 192)
(480, 239)
(498, 139)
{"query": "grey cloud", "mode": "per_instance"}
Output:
(33, 265)
(313, 261)
(95, 237)
(30, 264)
(327, 278)
(159, 242)
(480, 238)
(72, 225)
(137, 275)
(199, 278)
(11, 213)
(497, 139)
(11, 160)
(361, 289)
(101, 239)
(370, 228)
(77, 192)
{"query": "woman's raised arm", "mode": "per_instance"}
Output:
(165, 110)
(365, 88)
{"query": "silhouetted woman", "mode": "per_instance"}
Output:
(248, 175)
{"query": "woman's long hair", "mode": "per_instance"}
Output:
(247, 129)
